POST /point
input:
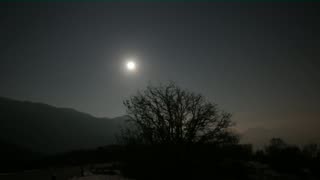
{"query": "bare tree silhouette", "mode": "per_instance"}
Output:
(167, 114)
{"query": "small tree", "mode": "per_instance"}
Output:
(167, 114)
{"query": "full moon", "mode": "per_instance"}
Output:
(131, 66)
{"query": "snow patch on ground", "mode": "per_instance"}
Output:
(100, 177)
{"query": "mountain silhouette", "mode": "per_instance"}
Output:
(48, 129)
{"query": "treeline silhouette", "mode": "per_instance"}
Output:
(277, 160)
(17, 159)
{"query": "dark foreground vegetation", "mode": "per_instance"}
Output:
(15, 161)
(277, 160)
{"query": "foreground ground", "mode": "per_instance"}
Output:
(66, 173)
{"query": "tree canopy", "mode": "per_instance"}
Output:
(167, 114)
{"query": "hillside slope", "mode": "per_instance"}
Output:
(44, 128)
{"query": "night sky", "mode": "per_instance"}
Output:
(259, 61)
